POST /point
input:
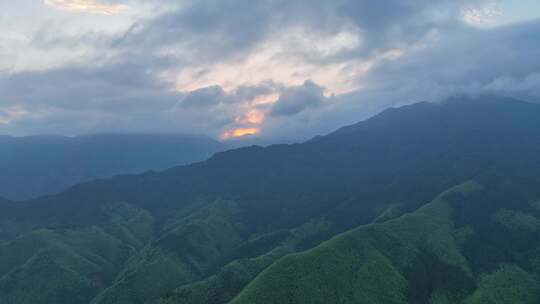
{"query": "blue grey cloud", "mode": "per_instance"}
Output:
(218, 29)
(297, 99)
(204, 97)
(127, 83)
(212, 96)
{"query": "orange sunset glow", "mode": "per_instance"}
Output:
(240, 132)
(88, 6)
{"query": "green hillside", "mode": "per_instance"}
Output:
(72, 265)
(417, 258)
(343, 218)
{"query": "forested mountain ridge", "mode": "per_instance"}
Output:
(201, 233)
(445, 252)
(38, 165)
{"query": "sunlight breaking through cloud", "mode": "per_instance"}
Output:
(187, 66)
(240, 132)
(255, 117)
(87, 6)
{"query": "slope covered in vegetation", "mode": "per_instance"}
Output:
(422, 257)
(237, 227)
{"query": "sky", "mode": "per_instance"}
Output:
(270, 70)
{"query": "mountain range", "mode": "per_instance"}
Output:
(428, 203)
(34, 166)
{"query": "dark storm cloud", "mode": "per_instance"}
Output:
(116, 86)
(497, 61)
(215, 29)
(249, 92)
(204, 97)
(212, 96)
(218, 29)
(297, 99)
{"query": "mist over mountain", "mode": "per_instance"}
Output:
(38, 165)
(427, 203)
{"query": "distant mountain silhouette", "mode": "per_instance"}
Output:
(37, 165)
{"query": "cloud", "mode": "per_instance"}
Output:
(457, 62)
(240, 132)
(83, 99)
(88, 6)
(297, 99)
(204, 97)
(11, 114)
(194, 66)
(482, 16)
(215, 95)
(253, 117)
(527, 87)
(209, 30)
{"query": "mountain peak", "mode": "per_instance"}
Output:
(483, 108)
